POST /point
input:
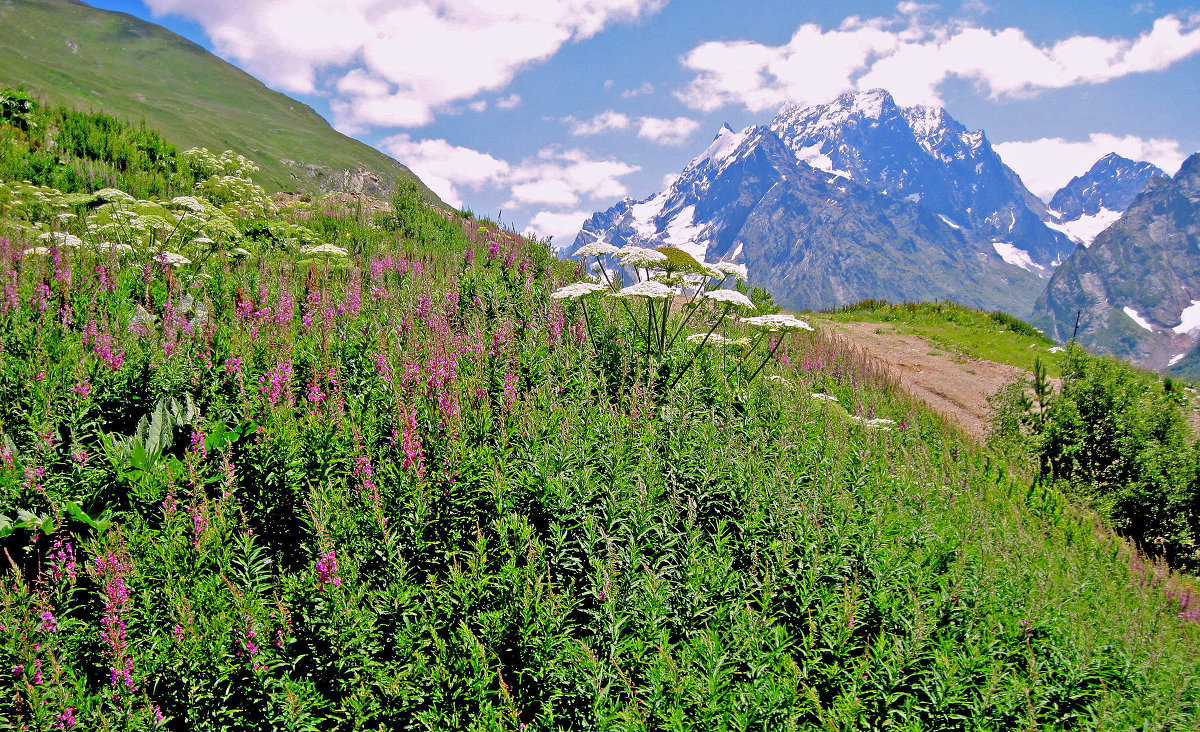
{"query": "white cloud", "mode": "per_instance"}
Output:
(661, 131)
(562, 226)
(646, 88)
(443, 167)
(669, 179)
(396, 63)
(1048, 164)
(512, 101)
(555, 177)
(667, 131)
(607, 120)
(565, 177)
(912, 58)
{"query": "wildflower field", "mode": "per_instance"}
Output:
(319, 465)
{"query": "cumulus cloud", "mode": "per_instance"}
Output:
(1047, 164)
(512, 101)
(445, 167)
(660, 131)
(396, 63)
(667, 131)
(561, 226)
(646, 88)
(565, 177)
(555, 177)
(912, 58)
(607, 120)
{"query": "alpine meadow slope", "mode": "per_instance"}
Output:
(71, 53)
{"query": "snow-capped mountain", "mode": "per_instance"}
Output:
(873, 200)
(925, 155)
(815, 239)
(1136, 289)
(1091, 202)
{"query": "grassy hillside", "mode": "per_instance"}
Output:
(73, 54)
(317, 467)
(959, 329)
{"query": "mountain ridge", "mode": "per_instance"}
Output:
(68, 52)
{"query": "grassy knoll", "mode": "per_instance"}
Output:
(69, 53)
(957, 329)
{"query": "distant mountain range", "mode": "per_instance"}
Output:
(1091, 202)
(70, 53)
(862, 198)
(1136, 290)
(855, 199)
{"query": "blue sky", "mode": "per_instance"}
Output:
(545, 111)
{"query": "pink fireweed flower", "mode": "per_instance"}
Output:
(82, 389)
(65, 720)
(327, 570)
(510, 387)
(275, 382)
(233, 365)
(113, 571)
(49, 624)
(62, 561)
(414, 456)
(199, 524)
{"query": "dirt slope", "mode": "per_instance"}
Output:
(955, 385)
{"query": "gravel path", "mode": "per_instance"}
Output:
(956, 385)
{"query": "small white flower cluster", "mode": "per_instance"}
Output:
(717, 340)
(776, 323)
(640, 257)
(596, 249)
(879, 424)
(732, 297)
(173, 259)
(651, 289)
(325, 249)
(576, 291)
(825, 397)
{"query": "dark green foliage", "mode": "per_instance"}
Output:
(77, 151)
(1117, 436)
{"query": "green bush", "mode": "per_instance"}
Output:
(1116, 436)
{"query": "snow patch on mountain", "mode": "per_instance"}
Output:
(949, 223)
(1189, 319)
(683, 233)
(1133, 315)
(1086, 228)
(644, 213)
(1176, 358)
(723, 146)
(1017, 257)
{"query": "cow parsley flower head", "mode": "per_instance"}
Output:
(173, 259)
(733, 297)
(737, 271)
(576, 291)
(640, 257)
(776, 323)
(596, 249)
(325, 249)
(188, 202)
(649, 289)
(35, 251)
(715, 340)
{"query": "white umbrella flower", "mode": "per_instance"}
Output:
(732, 297)
(596, 249)
(577, 290)
(776, 323)
(650, 289)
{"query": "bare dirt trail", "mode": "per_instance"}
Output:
(953, 384)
